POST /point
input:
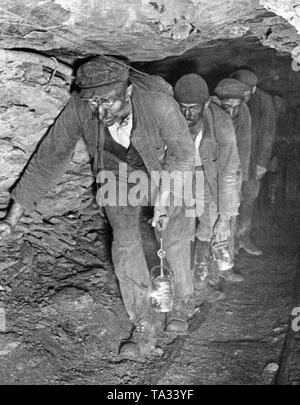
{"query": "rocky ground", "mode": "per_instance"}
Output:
(61, 316)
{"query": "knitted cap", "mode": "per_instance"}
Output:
(191, 89)
(98, 76)
(231, 88)
(245, 76)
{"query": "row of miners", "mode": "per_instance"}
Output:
(125, 116)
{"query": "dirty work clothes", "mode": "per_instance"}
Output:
(161, 138)
(207, 220)
(263, 115)
(243, 129)
(157, 124)
(242, 126)
(220, 159)
(222, 171)
(130, 263)
(129, 260)
(128, 253)
(250, 191)
(129, 155)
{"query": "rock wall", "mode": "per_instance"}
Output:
(28, 107)
(138, 29)
(290, 11)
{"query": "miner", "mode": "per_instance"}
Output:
(216, 155)
(122, 121)
(263, 117)
(232, 95)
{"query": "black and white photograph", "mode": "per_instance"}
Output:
(150, 195)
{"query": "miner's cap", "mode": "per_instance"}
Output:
(232, 88)
(245, 76)
(191, 89)
(100, 75)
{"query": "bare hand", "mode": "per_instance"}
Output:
(260, 171)
(222, 229)
(5, 230)
(160, 218)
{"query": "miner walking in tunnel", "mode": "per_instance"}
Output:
(121, 122)
(263, 116)
(231, 97)
(216, 155)
(231, 94)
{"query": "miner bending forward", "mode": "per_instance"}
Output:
(216, 155)
(122, 122)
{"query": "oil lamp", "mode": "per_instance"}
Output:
(161, 284)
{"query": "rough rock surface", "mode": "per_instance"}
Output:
(140, 30)
(28, 107)
(290, 11)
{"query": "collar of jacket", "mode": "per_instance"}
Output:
(138, 138)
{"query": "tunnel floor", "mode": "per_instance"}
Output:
(64, 321)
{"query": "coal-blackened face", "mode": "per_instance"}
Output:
(113, 106)
(192, 113)
(232, 106)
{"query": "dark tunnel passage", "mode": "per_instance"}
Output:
(61, 312)
(275, 75)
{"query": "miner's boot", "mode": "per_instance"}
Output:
(141, 342)
(231, 276)
(245, 221)
(177, 320)
(206, 276)
(248, 246)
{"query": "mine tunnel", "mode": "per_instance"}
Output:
(62, 316)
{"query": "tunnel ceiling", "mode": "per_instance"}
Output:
(217, 59)
(143, 30)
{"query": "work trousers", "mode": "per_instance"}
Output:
(250, 191)
(128, 254)
(208, 219)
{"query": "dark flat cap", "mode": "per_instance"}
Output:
(231, 88)
(98, 73)
(245, 76)
(191, 89)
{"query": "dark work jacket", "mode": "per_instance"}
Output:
(243, 127)
(160, 135)
(263, 116)
(220, 159)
